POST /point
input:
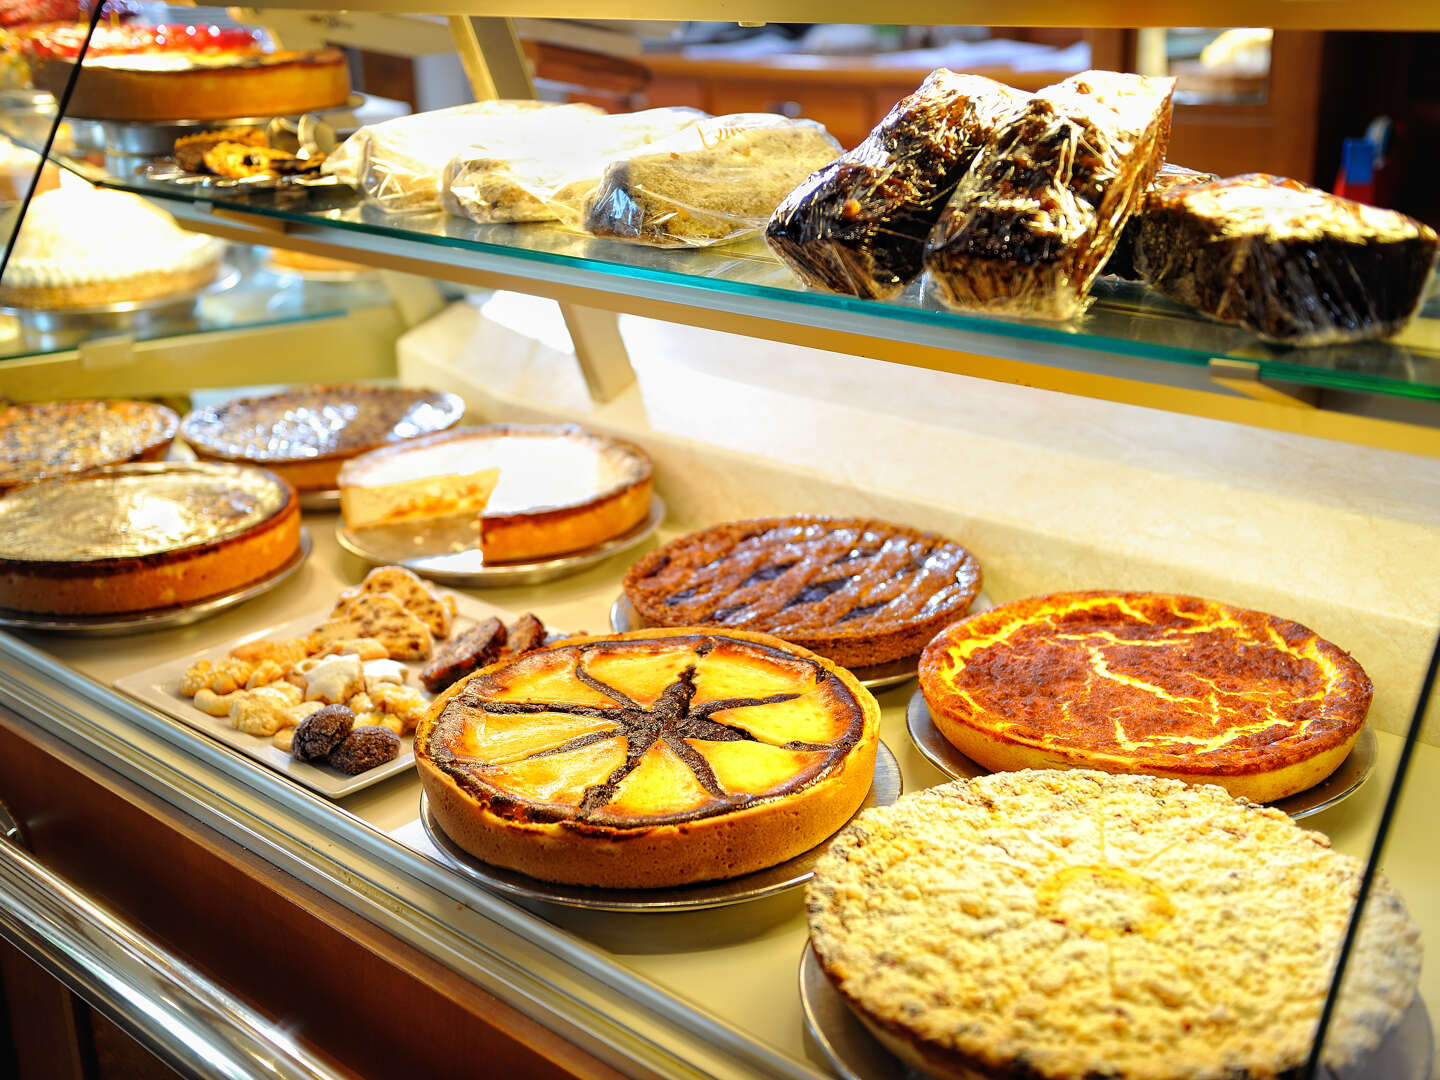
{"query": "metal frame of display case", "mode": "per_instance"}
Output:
(504, 949)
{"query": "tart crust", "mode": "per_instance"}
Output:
(192, 569)
(1065, 924)
(692, 823)
(61, 438)
(1150, 683)
(857, 590)
(151, 285)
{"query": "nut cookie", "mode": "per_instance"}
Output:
(1071, 924)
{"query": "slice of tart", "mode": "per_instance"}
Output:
(557, 488)
(649, 759)
(856, 590)
(1147, 683)
(61, 438)
(1060, 925)
(307, 433)
(138, 537)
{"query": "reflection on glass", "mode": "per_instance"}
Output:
(1211, 65)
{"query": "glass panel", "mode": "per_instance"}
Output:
(1211, 65)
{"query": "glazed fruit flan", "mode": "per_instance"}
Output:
(1147, 683)
(139, 537)
(648, 759)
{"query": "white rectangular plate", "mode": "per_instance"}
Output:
(159, 687)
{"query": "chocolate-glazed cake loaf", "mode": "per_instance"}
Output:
(1122, 259)
(1290, 262)
(858, 225)
(1041, 209)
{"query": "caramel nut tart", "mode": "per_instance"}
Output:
(135, 538)
(61, 438)
(1147, 683)
(1069, 925)
(649, 759)
(859, 591)
(306, 433)
(557, 488)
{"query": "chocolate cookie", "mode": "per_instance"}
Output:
(364, 748)
(321, 732)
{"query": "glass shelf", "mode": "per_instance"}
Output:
(1126, 321)
(252, 294)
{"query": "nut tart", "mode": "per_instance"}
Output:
(1147, 683)
(1054, 924)
(306, 433)
(61, 438)
(649, 759)
(557, 488)
(135, 538)
(859, 591)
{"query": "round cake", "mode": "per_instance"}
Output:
(81, 246)
(306, 433)
(1055, 925)
(134, 538)
(1147, 683)
(157, 73)
(60, 438)
(859, 591)
(649, 759)
(559, 488)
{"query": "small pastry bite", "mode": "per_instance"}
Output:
(213, 704)
(284, 738)
(365, 648)
(384, 671)
(261, 712)
(334, 679)
(190, 150)
(266, 672)
(284, 652)
(405, 703)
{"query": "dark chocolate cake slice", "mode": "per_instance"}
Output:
(1289, 262)
(1041, 208)
(1122, 259)
(858, 225)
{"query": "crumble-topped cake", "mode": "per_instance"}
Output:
(58, 438)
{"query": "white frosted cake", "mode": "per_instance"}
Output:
(80, 246)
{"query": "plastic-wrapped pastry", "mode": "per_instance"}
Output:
(1040, 210)
(397, 163)
(1287, 261)
(858, 225)
(1122, 259)
(526, 178)
(716, 181)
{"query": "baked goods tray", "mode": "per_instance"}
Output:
(855, 1054)
(1338, 786)
(884, 790)
(159, 618)
(159, 687)
(623, 617)
(450, 557)
(157, 137)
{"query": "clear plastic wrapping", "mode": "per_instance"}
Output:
(397, 164)
(548, 173)
(716, 181)
(858, 225)
(1041, 208)
(1288, 262)
(1122, 260)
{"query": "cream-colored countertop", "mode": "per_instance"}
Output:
(741, 962)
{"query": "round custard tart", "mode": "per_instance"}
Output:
(307, 433)
(649, 759)
(60, 438)
(1059, 925)
(861, 592)
(1147, 683)
(559, 489)
(135, 538)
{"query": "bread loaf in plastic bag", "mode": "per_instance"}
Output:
(397, 164)
(548, 172)
(1041, 208)
(1287, 261)
(1122, 260)
(858, 225)
(717, 181)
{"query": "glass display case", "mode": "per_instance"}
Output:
(309, 926)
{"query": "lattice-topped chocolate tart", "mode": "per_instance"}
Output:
(1147, 683)
(648, 759)
(1054, 925)
(61, 438)
(859, 591)
(306, 433)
